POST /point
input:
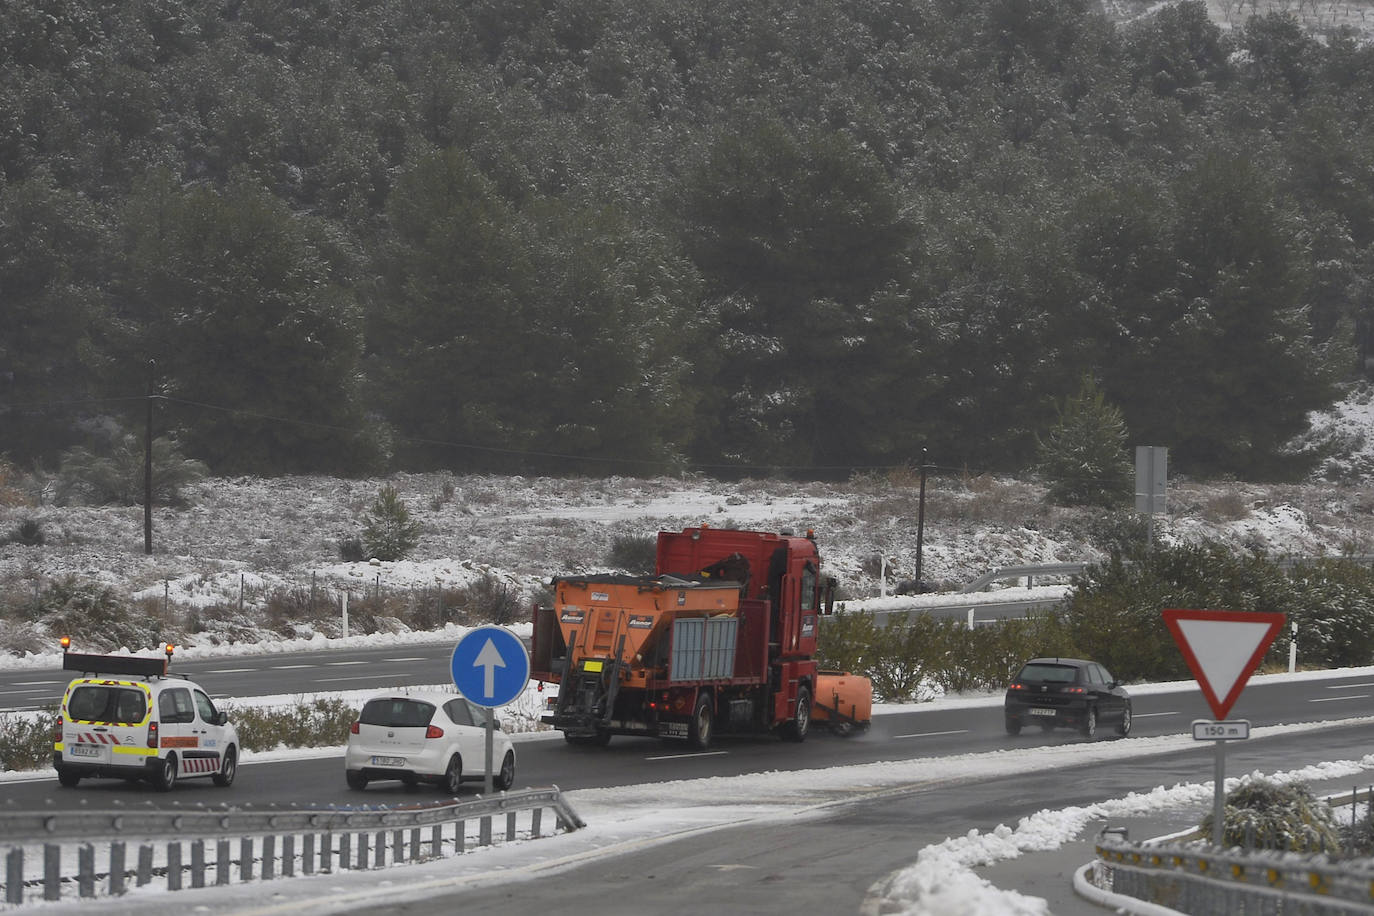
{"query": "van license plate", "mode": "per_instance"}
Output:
(388, 761)
(84, 750)
(1042, 712)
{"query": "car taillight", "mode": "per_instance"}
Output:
(152, 734)
(434, 731)
(353, 729)
(57, 733)
(1017, 687)
(1074, 690)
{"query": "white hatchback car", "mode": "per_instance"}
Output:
(422, 736)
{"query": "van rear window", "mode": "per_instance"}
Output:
(397, 713)
(107, 704)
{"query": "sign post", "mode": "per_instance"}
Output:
(1222, 649)
(491, 667)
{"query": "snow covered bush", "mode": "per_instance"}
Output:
(1261, 814)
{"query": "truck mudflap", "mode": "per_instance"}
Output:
(586, 698)
(843, 703)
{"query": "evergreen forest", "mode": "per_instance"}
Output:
(658, 236)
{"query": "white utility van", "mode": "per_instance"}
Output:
(127, 718)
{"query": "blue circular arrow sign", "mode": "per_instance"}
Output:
(490, 666)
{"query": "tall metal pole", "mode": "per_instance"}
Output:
(148, 468)
(1219, 797)
(921, 519)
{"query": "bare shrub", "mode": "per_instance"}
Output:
(493, 600)
(635, 553)
(1225, 507)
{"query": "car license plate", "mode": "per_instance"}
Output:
(388, 761)
(1039, 711)
(84, 750)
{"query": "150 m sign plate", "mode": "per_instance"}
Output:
(1221, 730)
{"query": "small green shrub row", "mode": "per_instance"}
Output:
(26, 741)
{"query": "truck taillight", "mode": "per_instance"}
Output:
(152, 734)
(353, 729)
(434, 731)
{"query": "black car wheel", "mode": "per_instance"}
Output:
(1047, 725)
(166, 775)
(225, 777)
(1089, 726)
(453, 776)
(1013, 726)
(356, 780)
(1123, 727)
(506, 777)
(67, 777)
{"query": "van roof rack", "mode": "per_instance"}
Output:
(138, 666)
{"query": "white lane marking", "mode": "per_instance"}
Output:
(356, 677)
(336, 664)
(408, 658)
(1353, 696)
(1148, 715)
(285, 667)
(229, 670)
(31, 683)
(957, 731)
(683, 756)
(1346, 686)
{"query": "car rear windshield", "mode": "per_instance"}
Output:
(107, 704)
(397, 713)
(1052, 674)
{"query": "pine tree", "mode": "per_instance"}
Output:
(389, 533)
(1084, 455)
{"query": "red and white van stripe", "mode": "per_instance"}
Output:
(192, 765)
(96, 738)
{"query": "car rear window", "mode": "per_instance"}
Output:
(107, 704)
(397, 713)
(1052, 674)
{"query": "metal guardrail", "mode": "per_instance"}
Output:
(1029, 573)
(329, 839)
(1205, 879)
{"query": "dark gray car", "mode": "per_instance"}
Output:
(1069, 693)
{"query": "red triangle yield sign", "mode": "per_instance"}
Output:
(1222, 649)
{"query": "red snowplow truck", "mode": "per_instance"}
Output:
(722, 638)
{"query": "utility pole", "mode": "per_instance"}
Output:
(921, 519)
(148, 467)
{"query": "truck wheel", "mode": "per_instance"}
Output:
(796, 729)
(703, 720)
(67, 778)
(166, 775)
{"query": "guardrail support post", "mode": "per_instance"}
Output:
(345, 842)
(222, 862)
(398, 846)
(535, 817)
(379, 850)
(460, 837)
(145, 865)
(116, 868)
(308, 854)
(362, 851)
(85, 870)
(174, 865)
(414, 843)
(198, 863)
(326, 852)
(436, 840)
(14, 875)
(288, 856)
(269, 857)
(510, 826)
(52, 871)
(246, 859)
(484, 831)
